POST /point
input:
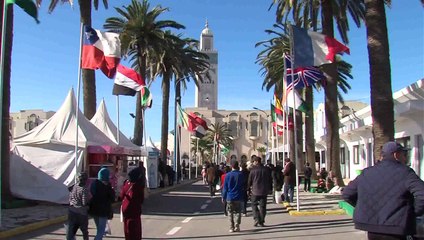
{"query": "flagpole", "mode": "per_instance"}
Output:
(117, 118)
(197, 153)
(189, 155)
(78, 97)
(294, 120)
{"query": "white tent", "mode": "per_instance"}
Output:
(103, 122)
(42, 161)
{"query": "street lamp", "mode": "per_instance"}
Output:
(267, 126)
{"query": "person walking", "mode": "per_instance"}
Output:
(233, 193)
(289, 180)
(211, 177)
(78, 208)
(132, 195)
(259, 183)
(245, 173)
(278, 181)
(103, 196)
(307, 181)
(387, 196)
(226, 170)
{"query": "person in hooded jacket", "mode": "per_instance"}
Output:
(132, 195)
(103, 196)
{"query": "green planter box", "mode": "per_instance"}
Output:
(347, 207)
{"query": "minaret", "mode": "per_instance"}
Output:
(207, 92)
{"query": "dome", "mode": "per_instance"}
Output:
(206, 30)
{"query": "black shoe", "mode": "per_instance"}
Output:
(261, 224)
(256, 224)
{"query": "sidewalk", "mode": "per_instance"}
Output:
(313, 204)
(26, 219)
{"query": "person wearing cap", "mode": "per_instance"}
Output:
(103, 196)
(387, 196)
(78, 207)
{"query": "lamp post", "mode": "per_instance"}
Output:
(267, 125)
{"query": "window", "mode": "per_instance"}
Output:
(342, 156)
(356, 154)
(254, 124)
(232, 125)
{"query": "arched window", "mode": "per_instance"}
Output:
(233, 123)
(254, 124)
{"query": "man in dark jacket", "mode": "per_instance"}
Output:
(233, 193)
(259, 184)
(289, 180)
(387, 197)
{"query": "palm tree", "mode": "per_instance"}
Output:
(88, 75)
(380, 75)
(5, 137)
(330, 10)
(143, 39)
(218, 133)
(203, 147)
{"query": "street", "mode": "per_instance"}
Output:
(188, 212)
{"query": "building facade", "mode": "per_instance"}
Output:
(25, 120)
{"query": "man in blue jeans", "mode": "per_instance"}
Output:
(233, 193)
(260, 185)
(289, 180)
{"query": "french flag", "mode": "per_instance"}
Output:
(127, 81)
(101, 50)
(314, 49)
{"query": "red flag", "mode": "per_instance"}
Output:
(101, 50)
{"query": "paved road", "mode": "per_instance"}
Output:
(188, 212)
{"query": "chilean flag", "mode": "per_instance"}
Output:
(101, 50)
(314, 49)
(127, 81)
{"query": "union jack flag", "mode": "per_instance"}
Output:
(303, 76)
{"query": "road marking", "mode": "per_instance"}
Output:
(173, 231)
(187, 219)
(208, 201)
(204, 206)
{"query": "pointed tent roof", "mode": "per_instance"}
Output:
(62, 126)
(103, 122)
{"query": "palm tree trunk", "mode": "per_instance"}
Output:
(165, 117)
(309, 130)
(5, 136)
(138, 120)
(88, 76)
(381, 84)
(331, 102)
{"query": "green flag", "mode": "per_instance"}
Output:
(28, 6)
(146, 97)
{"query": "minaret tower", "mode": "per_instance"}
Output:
(207, 92)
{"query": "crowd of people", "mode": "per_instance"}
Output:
(390, 180)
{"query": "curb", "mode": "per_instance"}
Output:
(45, 223)
(293, 212)
(32, 226)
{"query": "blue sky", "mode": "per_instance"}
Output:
(45, 56)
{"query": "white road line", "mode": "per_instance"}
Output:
(208, 201)
(173, 231)
(204, 206)
(187, 220)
